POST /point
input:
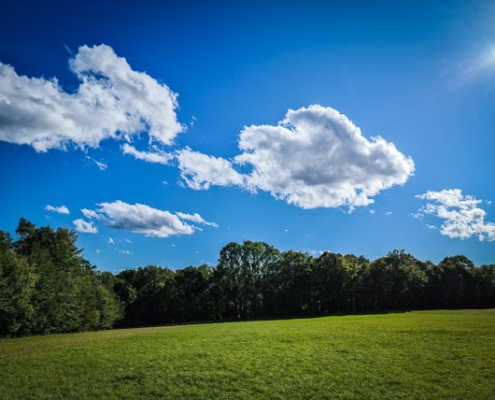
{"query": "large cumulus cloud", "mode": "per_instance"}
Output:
(112, 101)
(314, 157)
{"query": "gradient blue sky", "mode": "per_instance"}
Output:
(161, 131)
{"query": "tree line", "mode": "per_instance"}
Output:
(46, 286)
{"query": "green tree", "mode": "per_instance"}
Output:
(191, 285)
(288, 285)
(409, 280)
(62, 291)
(484, 278)
(155, 299)
(376, 283)
(456, 287)
(17, 281)
(333, 280)
(242, 270)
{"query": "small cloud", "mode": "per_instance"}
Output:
(156, 156)
(462, 215)
(59, 210)
(90, 214)
(126, 252)
(84, 226)
(101, 165)
(97, 251)
(372, 212)
(200, 171)
(196, 218)
(67, 48)
(389, 213)
(110, 241)
(140, 218)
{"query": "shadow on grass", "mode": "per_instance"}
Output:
(268, 318)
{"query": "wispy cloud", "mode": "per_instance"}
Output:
(315, 157)
(140, 218)
(112, 102)
(155, 156)
(462, 215)
(195, 218)
(101, 165)
(59, 210)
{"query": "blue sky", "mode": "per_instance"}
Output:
(161, 131)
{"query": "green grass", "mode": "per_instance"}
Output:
(417, 355)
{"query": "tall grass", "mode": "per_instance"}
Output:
(433, 354)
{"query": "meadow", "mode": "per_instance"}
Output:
(411, 355)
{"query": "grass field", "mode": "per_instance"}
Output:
(416, 355)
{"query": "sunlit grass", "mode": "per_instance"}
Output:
(434, 354)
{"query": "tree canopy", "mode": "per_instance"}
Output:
(47, 286)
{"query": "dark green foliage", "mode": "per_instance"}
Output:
(255, 280)
(17, 281)
(47, 286)
(149, 295)
(484, 278)
(191, 290)
(288, 285)
(240, 279)
(456, 288)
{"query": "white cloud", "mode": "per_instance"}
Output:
(110, 241)
(140, 218)
(461, 214)
(101, 165)
(112, 102)
(200, 171)
(89, 213)
(155, 156)
(85, 226)
(314, 157)
(196, 218)
(59, 210)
